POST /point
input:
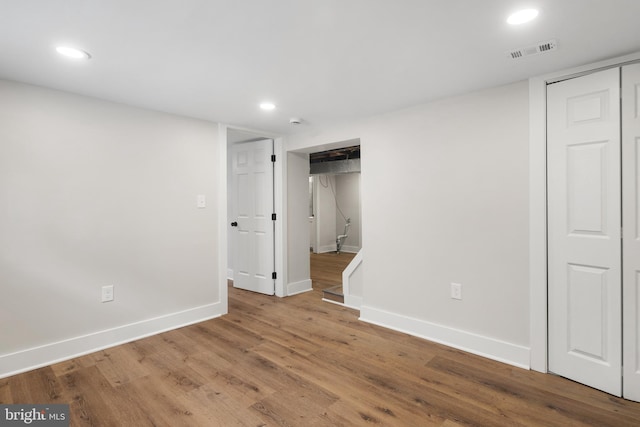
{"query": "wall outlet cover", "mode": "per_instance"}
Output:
(456, 291)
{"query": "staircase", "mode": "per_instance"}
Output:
(333, 293)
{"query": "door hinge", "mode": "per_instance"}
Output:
(274, 275)
(273, 158)
(273, 217)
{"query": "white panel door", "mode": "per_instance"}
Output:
(631, 224)
(584, 220)
(252, 229)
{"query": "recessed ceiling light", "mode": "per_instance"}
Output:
(71, 52)
(522, 16)
(267, 106)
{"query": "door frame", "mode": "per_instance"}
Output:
(268, 285)
(538, 202)
(324, 142)
(280, 207)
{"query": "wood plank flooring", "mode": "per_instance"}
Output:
(299, 361)
(327, 268)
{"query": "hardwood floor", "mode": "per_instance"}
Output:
(327, 268)
(299, 361)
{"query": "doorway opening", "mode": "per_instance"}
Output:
(251, 217)
(334, 218)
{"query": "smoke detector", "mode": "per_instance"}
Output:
(295, 121)
(542, 47)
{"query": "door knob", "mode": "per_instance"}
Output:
(234, 224)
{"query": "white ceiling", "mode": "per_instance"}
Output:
(326, 61)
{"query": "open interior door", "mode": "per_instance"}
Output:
(253, 227)
(584, 175)
(631, 234)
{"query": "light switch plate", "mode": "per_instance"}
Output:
(107, 293)
(201, 201)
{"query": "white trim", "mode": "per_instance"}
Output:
(350, 249)
(538, 200)
(280, 197)
(229, 274)
(502, 351)
(222, 220)
(334, 302)
(332, 248)
(299, 287)
(326, 248)
(37, 357)
(351, 300)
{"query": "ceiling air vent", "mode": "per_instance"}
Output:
(533, 50)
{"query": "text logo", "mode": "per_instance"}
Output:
(34, 415)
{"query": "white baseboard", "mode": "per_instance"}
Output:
(350, 249)
(333, 302)
(332, 248)
(299, 287)
(349, 302)
(490, 348)
(229, 274)
(326, 248)
(37, 357)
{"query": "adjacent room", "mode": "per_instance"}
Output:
(292, 213)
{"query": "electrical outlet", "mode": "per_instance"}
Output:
(456, 291)
(201, 201)
(107, 293)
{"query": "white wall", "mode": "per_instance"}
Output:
(348, 199)
(298, 269)
(444, 199)
(325, 213)
(328, 222)
(94, 193)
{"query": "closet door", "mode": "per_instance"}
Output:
(631, 224)
(584, 220)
